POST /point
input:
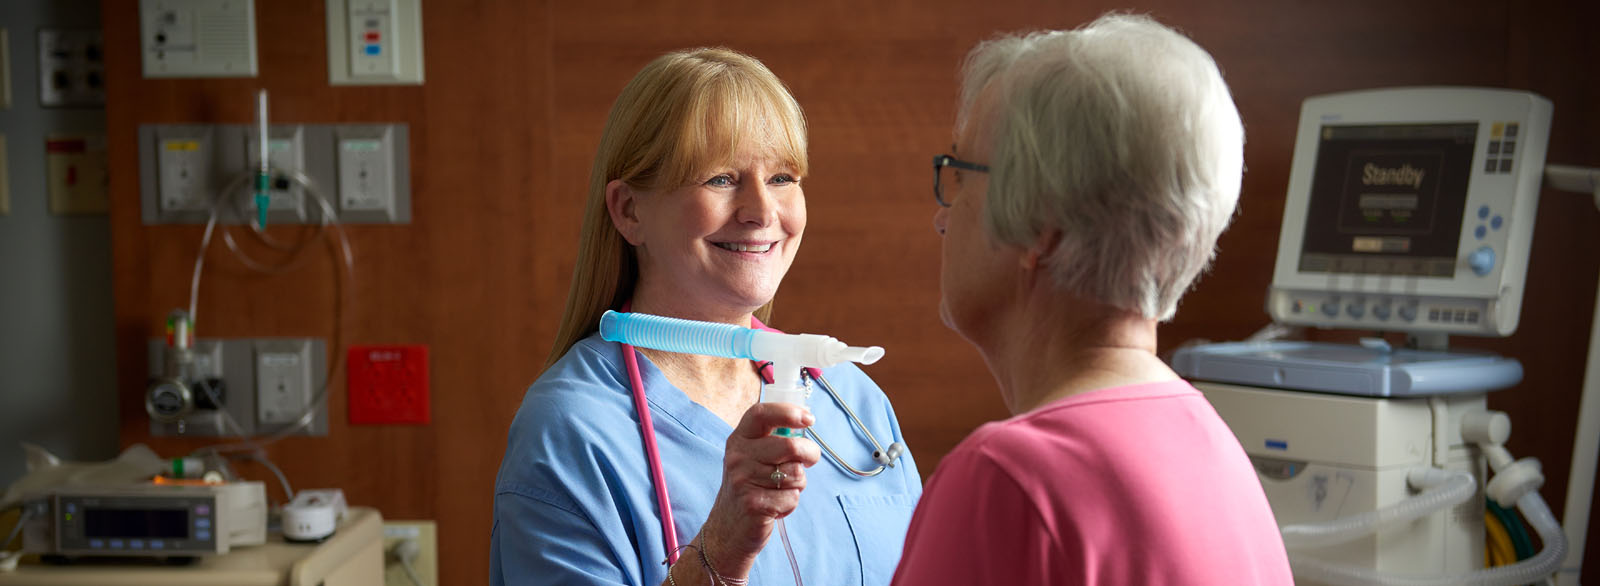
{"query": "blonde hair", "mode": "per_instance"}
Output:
(685, 112)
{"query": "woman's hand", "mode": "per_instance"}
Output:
(750, 501)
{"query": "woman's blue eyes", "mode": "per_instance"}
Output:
(726, 180)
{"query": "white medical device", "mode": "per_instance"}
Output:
(1411, 209)
(1408, 210)
(146, 520)
(313, 515)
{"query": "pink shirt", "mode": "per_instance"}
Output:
(1140, 484)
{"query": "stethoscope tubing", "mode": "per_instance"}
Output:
(653, 453)
(647, 431)
(877, 448)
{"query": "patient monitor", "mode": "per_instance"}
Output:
(1408, 210)
(1411, 210)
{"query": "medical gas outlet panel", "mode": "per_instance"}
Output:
(361, 170)
(1411, 210)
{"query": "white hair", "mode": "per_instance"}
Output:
(1121, 137)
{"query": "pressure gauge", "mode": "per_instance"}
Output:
(168, 400)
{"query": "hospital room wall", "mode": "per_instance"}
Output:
(503, 131)
(57, 364)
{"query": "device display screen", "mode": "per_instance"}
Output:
(148, 523)
(1388, 199)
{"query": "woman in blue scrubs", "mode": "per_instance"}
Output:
(695, 210)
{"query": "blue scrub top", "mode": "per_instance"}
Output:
(574, 503)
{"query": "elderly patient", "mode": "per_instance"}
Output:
(1093, 171)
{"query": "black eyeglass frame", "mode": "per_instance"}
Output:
(941, 161)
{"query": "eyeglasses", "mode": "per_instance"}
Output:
(942, 161)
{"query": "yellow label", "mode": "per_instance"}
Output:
(183, 145)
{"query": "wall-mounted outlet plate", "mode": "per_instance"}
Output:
(184, 163)
(374, 173)
(425, 565)
(198, 38)
(76, 167)
(265, 384)
(370, 186)
(212, 359)
(286, 154)
(374, 42)
(184, 168)
(283, 380)
(72, 70)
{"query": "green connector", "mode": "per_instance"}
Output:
(262, 183)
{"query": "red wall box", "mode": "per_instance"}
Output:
(388, 384)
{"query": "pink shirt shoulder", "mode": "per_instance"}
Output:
(1142, 484)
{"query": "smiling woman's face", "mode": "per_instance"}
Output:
(722, 243)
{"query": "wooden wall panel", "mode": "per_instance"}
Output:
(517, 91)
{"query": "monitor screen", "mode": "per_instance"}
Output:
(151, 523)
(1388, 199)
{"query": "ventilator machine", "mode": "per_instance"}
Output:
(1408, 210)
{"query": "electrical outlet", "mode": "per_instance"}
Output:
(283, 380)
(426, 563)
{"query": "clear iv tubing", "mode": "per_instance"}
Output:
(329, 217)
